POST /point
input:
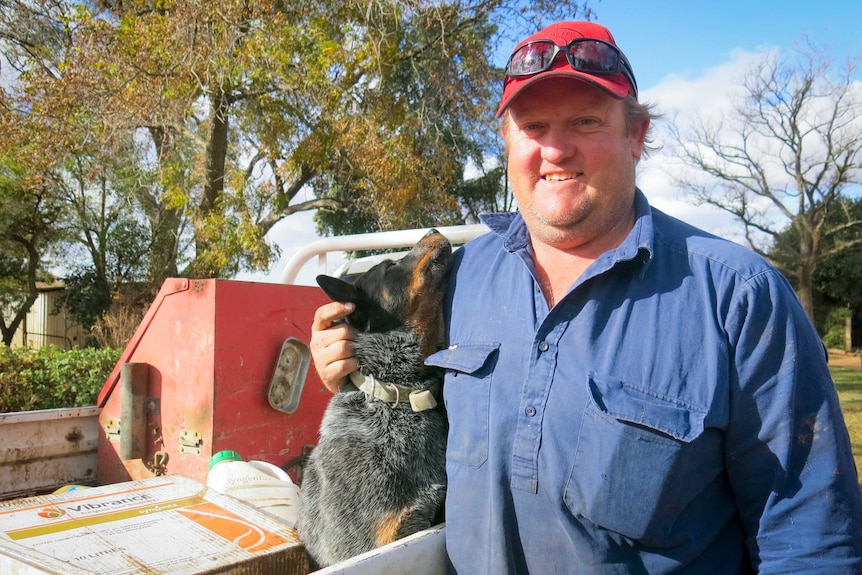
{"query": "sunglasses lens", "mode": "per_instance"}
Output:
(531, 59)
(583, 54)
(594, 56)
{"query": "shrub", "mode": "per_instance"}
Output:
(834, 328)
(50, 377)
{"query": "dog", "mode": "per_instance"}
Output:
(378, 471)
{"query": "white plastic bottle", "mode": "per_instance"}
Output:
(262, 484)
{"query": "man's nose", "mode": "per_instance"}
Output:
(558, 146)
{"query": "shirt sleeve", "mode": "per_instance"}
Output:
(788, 452)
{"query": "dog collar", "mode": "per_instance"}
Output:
(419, 399)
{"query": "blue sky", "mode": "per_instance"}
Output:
(684, 37)
(687, 56)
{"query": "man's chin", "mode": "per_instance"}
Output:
(557, 234)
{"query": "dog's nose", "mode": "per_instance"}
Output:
(433, 238)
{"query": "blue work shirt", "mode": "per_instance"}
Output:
(673, 413)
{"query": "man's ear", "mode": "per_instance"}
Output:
(637, 136)
(338, 289)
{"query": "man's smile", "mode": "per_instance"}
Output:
(561, 177)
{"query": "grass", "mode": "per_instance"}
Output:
(848, 381)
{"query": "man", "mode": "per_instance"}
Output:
(626, 393)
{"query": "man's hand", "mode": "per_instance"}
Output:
(332, 345)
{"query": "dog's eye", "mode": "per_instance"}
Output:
(388, 266)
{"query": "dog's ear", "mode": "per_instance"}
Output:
(338, 289)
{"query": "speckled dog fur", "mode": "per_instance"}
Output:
(378, 471)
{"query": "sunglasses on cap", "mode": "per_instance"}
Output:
(583, 54)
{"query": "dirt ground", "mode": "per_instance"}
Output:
(841, 358)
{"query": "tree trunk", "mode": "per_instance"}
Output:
(214, 166)
(165, 247)
(164, 222)
(216, 151)
(805, 290)
(33, 258)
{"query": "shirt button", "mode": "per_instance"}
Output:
(530, 411)
(543, 346)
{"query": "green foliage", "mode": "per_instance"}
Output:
(838, 274)
(428, 114)
(839, 269)
(50, 378)
(87, 297)
(834, 328)
(485, 194)
(26, 229)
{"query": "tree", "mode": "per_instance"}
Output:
(239, 109)
(60, 204)
(789, 153)
(839, 272)
(26, 231)
(838, 276)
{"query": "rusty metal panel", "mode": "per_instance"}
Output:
(212, 348)
(46, 449)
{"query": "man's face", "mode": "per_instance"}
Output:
(572, 164)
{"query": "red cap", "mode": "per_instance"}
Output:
(561, 33)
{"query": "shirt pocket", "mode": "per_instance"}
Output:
(467, 394)
(630, 463)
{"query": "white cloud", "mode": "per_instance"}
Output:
(682, 100)
(710, 92)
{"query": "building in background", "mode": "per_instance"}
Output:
(48, 323)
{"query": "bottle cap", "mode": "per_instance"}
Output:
(226, 455)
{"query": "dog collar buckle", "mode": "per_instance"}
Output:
(419, 399)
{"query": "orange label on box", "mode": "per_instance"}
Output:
(236, 529)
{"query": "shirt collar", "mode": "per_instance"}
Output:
(511, 227)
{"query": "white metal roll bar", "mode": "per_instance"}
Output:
(371, 241)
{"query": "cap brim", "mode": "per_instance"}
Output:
(615, 85)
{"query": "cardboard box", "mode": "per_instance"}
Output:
(163, 525)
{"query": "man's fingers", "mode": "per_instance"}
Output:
(328, 314)
(332, 345)
(334, 363)
(336, 374)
